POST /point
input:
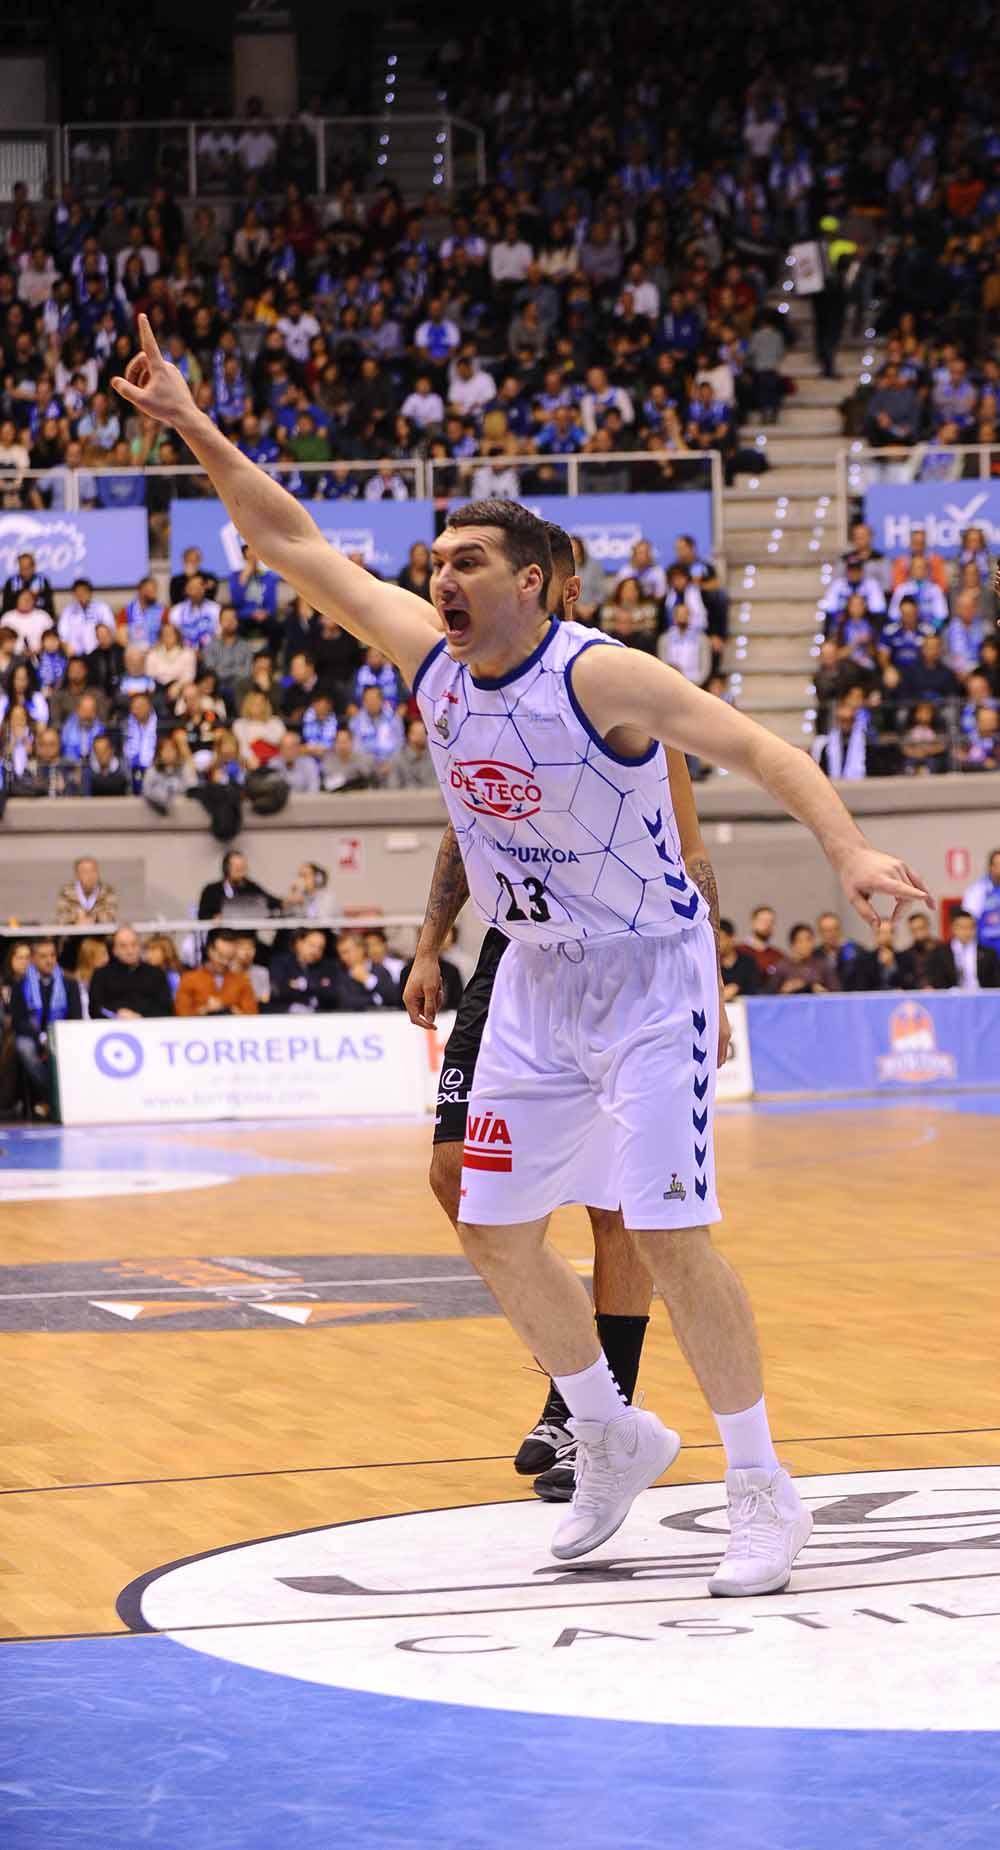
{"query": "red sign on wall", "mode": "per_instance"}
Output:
(958, 863)
(350, 854)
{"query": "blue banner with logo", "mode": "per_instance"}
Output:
(945, 509)
(898, 1042)
(610, 525)
(379, 532)
(108, 548)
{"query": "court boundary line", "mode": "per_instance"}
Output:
(483, 1458)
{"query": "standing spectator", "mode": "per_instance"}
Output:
(982, 900)
(127, 987)
(87, 899)
(802, 971)
(43, 996)
(253, 592)
(215, 988)
(737, 968)
(962, 963)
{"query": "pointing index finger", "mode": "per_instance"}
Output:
(147, 339)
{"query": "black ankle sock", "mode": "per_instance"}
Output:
(622, 1340)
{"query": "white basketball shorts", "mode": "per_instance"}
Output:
(595, 1083)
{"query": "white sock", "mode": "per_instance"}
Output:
(593, 1394)
(747, 1439)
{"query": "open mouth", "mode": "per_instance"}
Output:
(456, 623)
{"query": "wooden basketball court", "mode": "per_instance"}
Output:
(216, 1335)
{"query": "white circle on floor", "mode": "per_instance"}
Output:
(97, 1184)
(892, 1618)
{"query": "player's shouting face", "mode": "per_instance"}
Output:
(489, 608)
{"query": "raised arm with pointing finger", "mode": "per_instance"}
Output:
(274, 524)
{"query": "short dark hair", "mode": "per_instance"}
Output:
(726, 925)
(525, 538)
(561, 548)
(764, 908)
(227, 860)
(960, 913)
(799, 928)
(223, 934)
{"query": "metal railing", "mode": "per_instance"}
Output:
(359, 921)
(860, 467)
(213, 159)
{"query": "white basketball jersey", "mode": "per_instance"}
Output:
(561, 838)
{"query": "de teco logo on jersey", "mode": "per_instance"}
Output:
(488, 787)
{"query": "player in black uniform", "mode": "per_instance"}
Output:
(623, 1288)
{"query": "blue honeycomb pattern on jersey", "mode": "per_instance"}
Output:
(586, 840)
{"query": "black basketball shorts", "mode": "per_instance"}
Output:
(465, 1040)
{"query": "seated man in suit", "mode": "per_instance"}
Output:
(962, 963)
(304, 979)
(881, 968)
(43, 996)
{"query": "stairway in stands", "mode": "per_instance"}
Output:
(782, 542)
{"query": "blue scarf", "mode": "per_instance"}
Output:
(58, 1006)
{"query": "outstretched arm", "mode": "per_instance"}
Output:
(275, 526)
(448, 894)
(628, 688)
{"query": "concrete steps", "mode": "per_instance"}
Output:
(769, 617)
(756, 653)
(799, 414)
(796, 548)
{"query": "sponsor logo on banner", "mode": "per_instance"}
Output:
(914, 1055)
(943, 509)
(488, 786)
(379, 533)
(898, 1577)
(108, 547)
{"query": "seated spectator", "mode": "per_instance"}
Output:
(91, 955)
(377, 731)
(894, 412)
(319, 727)
(982, 899)
(424, 407)
(738, 970)
(45, 773)
(930, 678)
(980, 750)
(236, 894)
(360, 984)
(874, 563)
(139, 739)
(17, 749)
(915, 960)
(171, 774)
(973, 553)
(413, 767)
(843, 752)
(28, 621)
(881, 968)
(87, 899)
(760, 945)
(854, 636)
(835, 951)
(686, 649)
(143, 615)
(295, 765)
(253, 593)
(310, 894)
(171, 663)
(192, 565)
(259, 731)
(27, 578)
(103, 774)
(855, 579)
(160, 953)
(964, 634)
(80, 618)
(215, 988)
(127, 987)
(348, 767)
(304, 980)
(593, 583)
(902, 568)
(924, 745)
(377, 671)
(902, 638)
(416, 573)
(229, 656)
(42, 996)
(930, 599)
(135, 679)
(80, 730)
(53, 661)
(802, 971)
(630, 617)
(245, 952)
(21, 689)
(962, 963)
(196, 616)
(105, 664)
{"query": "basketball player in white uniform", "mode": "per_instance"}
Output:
(596, 1075)
(622, 1286)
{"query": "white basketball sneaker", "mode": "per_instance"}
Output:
(768, 1524)
(613, 1464)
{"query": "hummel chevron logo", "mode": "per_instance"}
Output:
(701, 1087)
(701, 1189)
(686, 911)
(700, 1121)
(699, 1055)
(699, 1021)
(655, 828)
(677, 881)
(700, 1153)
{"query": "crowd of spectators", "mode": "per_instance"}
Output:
(236, 692)
(908, 677)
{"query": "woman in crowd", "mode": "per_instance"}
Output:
(171, 662)
(631, 617)
(161, 951)
(93, 952)
(416, 573)
(259, 731)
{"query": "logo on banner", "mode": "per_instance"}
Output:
(118, 1056)
(611, 541)
(944, 520)
(914, 1055)
(58, 545)
(489, 787)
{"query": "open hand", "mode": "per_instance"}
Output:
(155, 387)
(865, 871)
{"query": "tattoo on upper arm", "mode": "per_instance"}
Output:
(701, 871)
(449, 886)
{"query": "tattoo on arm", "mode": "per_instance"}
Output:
(701, 871)
(448, 894)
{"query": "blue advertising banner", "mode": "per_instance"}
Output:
(110, 548)
(381, 532)
(893, 509)
(610, 525)
(875, 1043)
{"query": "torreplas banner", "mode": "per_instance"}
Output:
(109, 548)
(944, 509)
(380, 533)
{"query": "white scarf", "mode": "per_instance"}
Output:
(850, 765)
(87, 901)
